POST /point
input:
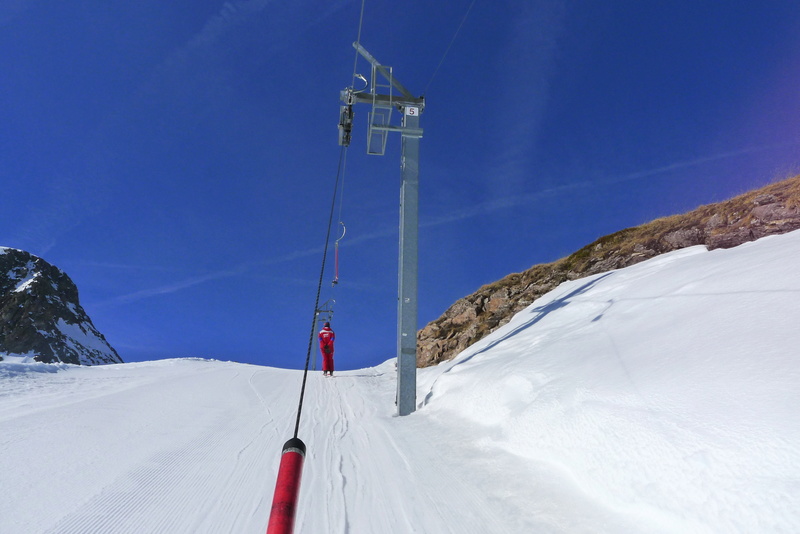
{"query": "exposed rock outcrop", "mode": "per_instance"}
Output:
(774, 209)
(40, 315)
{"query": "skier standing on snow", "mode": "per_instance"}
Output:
(326, 339)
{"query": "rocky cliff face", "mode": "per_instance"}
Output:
(40, 315)
(774, 209)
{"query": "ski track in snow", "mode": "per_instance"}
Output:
(200, 452)
(362, 478)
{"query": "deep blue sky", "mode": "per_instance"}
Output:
(177, 159)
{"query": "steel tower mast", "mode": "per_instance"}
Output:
(410, 108)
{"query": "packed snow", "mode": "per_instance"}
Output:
(658, 398)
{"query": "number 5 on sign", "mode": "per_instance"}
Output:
(412, 111)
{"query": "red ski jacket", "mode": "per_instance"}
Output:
(326, 338)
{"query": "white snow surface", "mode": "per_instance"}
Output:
(664, 397)
(81, 336)
(25, 283)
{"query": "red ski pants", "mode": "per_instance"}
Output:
(327, 360)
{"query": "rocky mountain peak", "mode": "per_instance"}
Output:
(40, 315)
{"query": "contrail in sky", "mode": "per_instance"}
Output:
(494, 205)
(490, 206)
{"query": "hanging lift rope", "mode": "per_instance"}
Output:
(344, 231)
(287, 488)
(336, 255)
(339, 175)
(287, 485)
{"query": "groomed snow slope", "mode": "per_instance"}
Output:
(658, 398)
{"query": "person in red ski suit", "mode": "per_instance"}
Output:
(326, 339)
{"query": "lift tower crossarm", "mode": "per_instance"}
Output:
(386, 74)
(370, 98)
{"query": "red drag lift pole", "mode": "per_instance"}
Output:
(287, 488)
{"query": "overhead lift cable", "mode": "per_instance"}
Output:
(358, 38)
(453, 40)
(344, 228)
(339, 173)
(287, 486)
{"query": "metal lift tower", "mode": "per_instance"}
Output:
(410, 108)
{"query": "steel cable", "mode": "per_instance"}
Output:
(339, 174)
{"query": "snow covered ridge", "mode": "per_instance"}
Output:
(771, 210)
(665, 392)
(41, 317)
